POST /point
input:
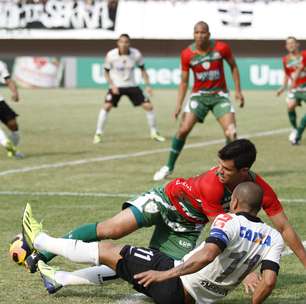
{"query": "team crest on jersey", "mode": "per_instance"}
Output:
(151, 207)
(206, 65)
(194, 104)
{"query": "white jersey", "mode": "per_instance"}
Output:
(122, 67)
(3, 75)
(248, 242)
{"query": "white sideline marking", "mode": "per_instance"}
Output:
(105, 194)
(136, 154)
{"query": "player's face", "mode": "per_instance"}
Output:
(123, 45)
(201, 34)
(292, 45)
(228, 173)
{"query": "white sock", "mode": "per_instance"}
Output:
(3, 138)
(151, 120)
(88, 276)
(102, 118)
(15, 137)
(74, 250)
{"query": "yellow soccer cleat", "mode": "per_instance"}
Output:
(156, 136)
(30, 227)
(97, 138)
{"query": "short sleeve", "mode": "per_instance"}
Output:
(270, 204)
(107, 62)
(139, 59)
(223, 230)
(4, 74)
(286, 70)
(185, 60)
(226, 51)
(272, 259)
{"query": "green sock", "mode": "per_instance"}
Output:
(86, 233)
(292, 118)
(176, 148)
(301, 128)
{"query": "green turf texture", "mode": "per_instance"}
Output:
(58, 126)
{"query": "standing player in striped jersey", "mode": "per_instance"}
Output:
(120, 64)
(8, 116)
(294, 64)
(209, 93)
(237, 244)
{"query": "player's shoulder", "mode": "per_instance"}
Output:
(303, 53)
(188, 51)
(220, 45)
(112, 53)
(259, 180)
(134, 51)
(211, 178)
(276, 237)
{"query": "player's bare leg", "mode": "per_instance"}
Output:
(118, 226)
(188, 121)
(101, 122)
(228, 124)
(151, 118)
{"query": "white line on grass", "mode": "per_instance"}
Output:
(131, 155)
(104, 194)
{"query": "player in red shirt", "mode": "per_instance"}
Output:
(209, 93)
(294, 64)
(180, 210)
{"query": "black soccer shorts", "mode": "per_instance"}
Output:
(138, 259)
(135, 95)
(6, 112)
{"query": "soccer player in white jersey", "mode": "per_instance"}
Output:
(237, 244)
(120, 64)
(8, 116)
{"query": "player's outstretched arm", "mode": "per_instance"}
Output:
(13, 88)
(196, 262)
(281, 223)
(265, 286)
(236, 77)
(282, 89)
(146, 80)
(182, 90)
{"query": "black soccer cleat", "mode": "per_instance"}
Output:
(32, 260)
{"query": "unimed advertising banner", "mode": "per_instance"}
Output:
(255, 73)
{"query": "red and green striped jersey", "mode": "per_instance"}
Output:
(205, 195)
(208, 69)
(290, 65)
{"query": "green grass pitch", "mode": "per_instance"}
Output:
(58, 127)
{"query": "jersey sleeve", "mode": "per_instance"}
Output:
(226, 51)
(286, 70)
(271, 203)
(4, 74)
(185, 60)
(222, 231)
(107, 62)
(139, 59)
(272, 260)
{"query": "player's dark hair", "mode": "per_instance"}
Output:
(124, 35)
(203, 24)
(293, 38)
(241, 151)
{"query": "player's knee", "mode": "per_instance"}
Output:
(107, 106)
(12, 125)
(231, 131)
(147, 106)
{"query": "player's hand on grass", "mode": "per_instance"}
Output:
(250, 282)
(148, 277)
(240, 98)
(15, 97)
(115, 90)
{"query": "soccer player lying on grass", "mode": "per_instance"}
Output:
(180, 209)
(238, 242)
